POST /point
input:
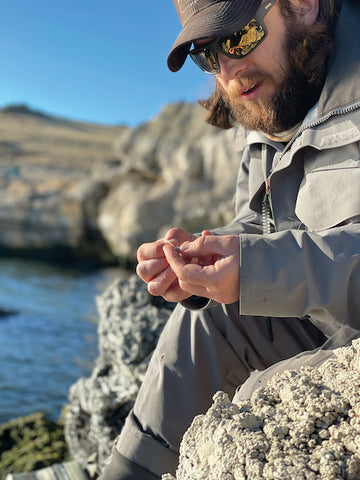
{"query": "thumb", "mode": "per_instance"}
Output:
(202, 246)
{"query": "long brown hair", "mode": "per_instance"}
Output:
(311, 54)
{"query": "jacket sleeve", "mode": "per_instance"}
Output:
(245, 221)
(296, 273)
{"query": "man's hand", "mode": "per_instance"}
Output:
(154, 268)
(208, 267)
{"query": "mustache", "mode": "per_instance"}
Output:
(244, 83)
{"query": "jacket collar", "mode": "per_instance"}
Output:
(342, 86)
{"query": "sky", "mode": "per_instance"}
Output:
(101, 61)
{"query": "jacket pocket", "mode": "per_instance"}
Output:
(328, 197)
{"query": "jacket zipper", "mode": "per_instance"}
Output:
(266, 204)
(319, 121)
(266, 210)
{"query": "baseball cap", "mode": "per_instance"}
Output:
(207, 19)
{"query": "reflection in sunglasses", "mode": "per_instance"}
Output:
(212, 61)
(236, 45)
(245, 40)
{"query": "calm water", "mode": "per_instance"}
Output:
(50, 340)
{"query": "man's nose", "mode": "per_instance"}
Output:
(231, 67)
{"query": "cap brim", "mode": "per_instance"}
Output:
(219, 19)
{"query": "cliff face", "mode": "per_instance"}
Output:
(87, 189)
(48, 196)
(175, 171)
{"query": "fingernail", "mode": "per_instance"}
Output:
(185, 247)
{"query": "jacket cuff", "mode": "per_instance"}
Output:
(141, 450)
(121, 468)
(198, 303)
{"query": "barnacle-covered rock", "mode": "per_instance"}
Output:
(303, 424)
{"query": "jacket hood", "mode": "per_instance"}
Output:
(342, 86)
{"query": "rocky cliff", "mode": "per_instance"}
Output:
(48, 196)
(77, 189)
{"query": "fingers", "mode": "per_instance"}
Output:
(161, 283)
(154, 269)
(148, 269)
(183, 268)
(153, 250)
(179, 236)
(175, 293)
(150, 250)
(166, 285)
(208, 267)
(208, 245)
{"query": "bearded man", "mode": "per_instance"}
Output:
(278, 288)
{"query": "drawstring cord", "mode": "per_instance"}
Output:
(266, 207)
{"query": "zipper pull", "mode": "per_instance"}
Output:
(266, 210)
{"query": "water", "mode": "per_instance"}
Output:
(51, 338)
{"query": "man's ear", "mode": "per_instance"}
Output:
(308, 10)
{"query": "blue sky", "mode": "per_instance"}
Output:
(101, 61)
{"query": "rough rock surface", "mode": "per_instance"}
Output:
(303, 425)
(130, 323)
(29, 443)
(48, 196)
(176, 170)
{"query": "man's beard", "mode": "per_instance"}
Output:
(293, 97)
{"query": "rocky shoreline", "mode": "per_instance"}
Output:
(130, 322)
(30, 443)
(304, 424)
(129, 326)
(78, 191)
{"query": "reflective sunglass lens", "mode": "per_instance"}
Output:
(207, 61)
(241, 43)
(211, 61)
(236, 45)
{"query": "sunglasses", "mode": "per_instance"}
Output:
(236, 45)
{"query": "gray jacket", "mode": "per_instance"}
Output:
(309, 265)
